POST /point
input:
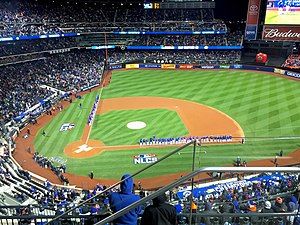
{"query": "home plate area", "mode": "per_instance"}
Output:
(83, 148)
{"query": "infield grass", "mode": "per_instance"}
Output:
(112, 129)
(264, 106)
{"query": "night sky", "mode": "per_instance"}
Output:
(231, 9)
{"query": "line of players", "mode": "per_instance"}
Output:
(183, 140)
(284, 4)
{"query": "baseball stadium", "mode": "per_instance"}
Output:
(150, 112)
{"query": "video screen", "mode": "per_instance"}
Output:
(285, 12)
(152, 4)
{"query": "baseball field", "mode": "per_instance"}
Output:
(171, 103)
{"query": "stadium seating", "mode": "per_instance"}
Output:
(190, 40)
(40, 69)
(292, 62)
(33, 18)
(63, 72)
(184, 57)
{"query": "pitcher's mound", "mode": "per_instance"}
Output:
(136, 125)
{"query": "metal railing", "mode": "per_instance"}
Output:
(191, 176)
(133, 175)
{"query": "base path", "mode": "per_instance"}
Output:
(200, 120)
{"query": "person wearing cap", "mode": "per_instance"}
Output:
(267, 209)
(119, 200)
(279, 206)
(253, 209)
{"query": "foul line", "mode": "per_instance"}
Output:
(90, 127)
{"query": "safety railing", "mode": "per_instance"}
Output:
(190, 176)
(192, 143)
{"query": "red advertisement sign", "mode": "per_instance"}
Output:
(253, 12)
(186, 66)
(281, 33)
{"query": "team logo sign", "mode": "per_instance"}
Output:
(253, 8)
(57, 159)
(144, 159)
(66, 127)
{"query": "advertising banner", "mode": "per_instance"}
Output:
(132, 66)
(251, 32)
(168, 32)
(236, 66)
(161, 47)
(185, 66)
(260, 68)
(31, 37)
(210, 67)
(253, 12)
(252, 19)
(149, 66)
(168, 66)
(293, 74)
(279, 71)
(224, 66)
(209, 190)
(115, 67)
(281, 33)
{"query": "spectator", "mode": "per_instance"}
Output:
(119, 200)
(160, 213)
(279, 205)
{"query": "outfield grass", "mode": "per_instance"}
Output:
(263, 105)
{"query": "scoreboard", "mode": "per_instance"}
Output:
(152, 5)
(194, 4)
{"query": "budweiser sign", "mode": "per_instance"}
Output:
(281, 33)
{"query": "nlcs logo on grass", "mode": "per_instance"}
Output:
(66, 127)
(144, 159)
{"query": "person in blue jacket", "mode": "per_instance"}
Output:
(119, 200)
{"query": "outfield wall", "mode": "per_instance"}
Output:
(192, 66)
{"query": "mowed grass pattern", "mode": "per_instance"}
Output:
(55, 141)
(264, 106)
(111, 128)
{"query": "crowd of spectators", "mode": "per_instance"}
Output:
(66, 72)
(278, 195)
(182, 57)
(35, 18)
(47, 163)
(30, 46)
(260, 196)
(166, 26)
(292, 62)
(190, 40)
(24, 187)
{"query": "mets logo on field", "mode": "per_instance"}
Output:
(66, 127)
(144, 159)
